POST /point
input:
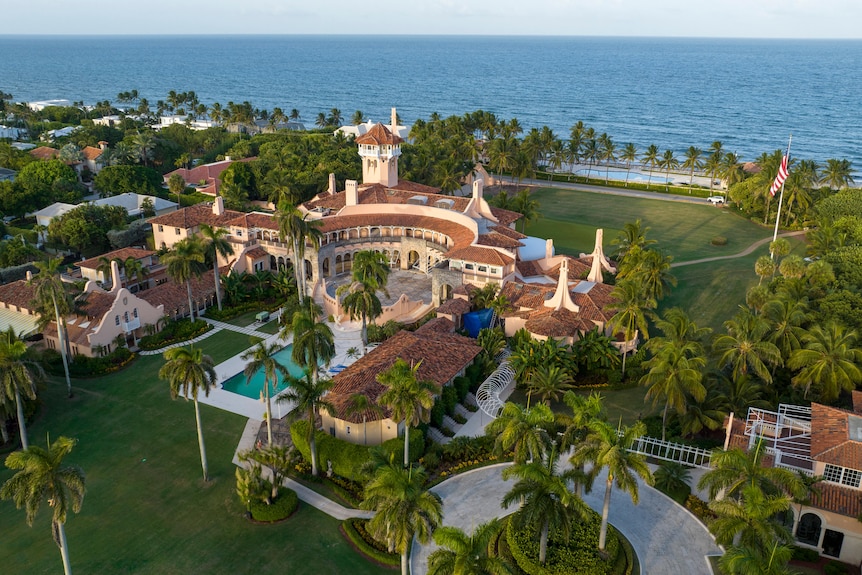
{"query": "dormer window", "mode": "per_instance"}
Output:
(842, 475)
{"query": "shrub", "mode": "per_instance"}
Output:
(231, 312)
(285, 504)
(700, 509)
(83, 366)
(803, 554)
(174, 332)
(835, 568)
(357, 534)
(446, 431)
(437, 413)
(449, 398)
(719, 241)
(462, 387)
(458, 418)
(351, 491)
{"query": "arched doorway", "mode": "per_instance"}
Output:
(809, 528)
(412, 259)
(445, 292)
(325, 267)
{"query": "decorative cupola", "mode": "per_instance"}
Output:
(379, 149)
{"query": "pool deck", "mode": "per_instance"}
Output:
(347, 335)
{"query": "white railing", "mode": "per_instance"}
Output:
(669, 451)
(488, 395)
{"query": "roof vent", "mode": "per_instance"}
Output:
(418, 200)
(445, 204)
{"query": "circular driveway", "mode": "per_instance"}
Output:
(667, 538)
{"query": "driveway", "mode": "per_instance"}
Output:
(667, 538)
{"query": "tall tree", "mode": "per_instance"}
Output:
(42, 476)
(403, 509)
(260, 358)
(188, 371)
(309, 398)
(17, 378)
(527, 206)
(650, 158)
(631, 305)
(462, 554)
(607, 447)
(313, 342)
(549, 382)
(745, 346)
(629, 155)
(734, 470)
(633, 235)
(215, 244)
(828, 361)
(838, 174)
(185, 261)
(673, 378)
(692, 162)
(523, 430)
(669, 162)
(296, 229)
(409, 398)
(51, 294)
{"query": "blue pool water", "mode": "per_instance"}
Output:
(237, 384)
(599, 173)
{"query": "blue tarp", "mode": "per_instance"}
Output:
(476, 320)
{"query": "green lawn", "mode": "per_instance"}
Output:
(682, 230)
(226, 344)
(147, 509)
(626, 405)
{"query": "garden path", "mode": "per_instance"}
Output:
(741, 254)
(214, 330)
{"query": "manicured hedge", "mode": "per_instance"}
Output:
(231, 312)
(354, 530)
(347, 458)
(83, 366)
(174, 332)
(577, 556)
(285, 504)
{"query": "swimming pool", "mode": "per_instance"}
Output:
(598, 173)
(236, 384)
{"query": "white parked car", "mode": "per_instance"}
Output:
(715, 200)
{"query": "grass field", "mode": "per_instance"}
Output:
(682, 230)
(225, 344)
(626, 405)
(147, 509)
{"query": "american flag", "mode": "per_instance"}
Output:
(779, 179)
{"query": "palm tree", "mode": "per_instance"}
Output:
(829, 361)
(751, 519)
(838, 174)
(462, 554)
(50, 293)
(527, 207)
(632, 236)
(673, 377)
(17, 378)
(184, 262)
(607, 447)
(145, 145)
(176, 185)
(549, 382)
(591, 154)
(764, 267)
(650, 158)
(629, 155)
(134, 270)
(260, 358)
(371, 268)
(361, 302)
(403, 509)
(335, 117)
(735, 469)
(787, 317)
(321, 121)
(188, 371)
(546, 502)
(772, 560)
(669, 162)
(692, 162)
(313, 342)
(357, 118)
(650, 269)
(744, 347)
(308, 398)
(43, 477)
(631, 305)
(608, 154)
(215, 245)
(731, 169)
(523, 430)
(576, 426)
(295, 228)
(409, 398)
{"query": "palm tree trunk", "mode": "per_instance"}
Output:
(217, 283)
(364, 333)
(603, 531)
(191, 305)
(62, 344)
(64, 549)
(22, 426)
(268, 413)
(312, 441)
(543, 542)
(201, 441)
(404, 561)
(664, 420)
(406, 444)
(625, 353)
(298, 271)
(4, 434)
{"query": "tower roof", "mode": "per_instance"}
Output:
(379, 135)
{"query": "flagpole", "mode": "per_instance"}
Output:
(780, 199)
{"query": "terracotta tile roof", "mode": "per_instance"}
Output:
(556, 323)
(857, 401)
(443, 356)
(460, 235)
(416, 188)
(481, 255)
(379, 135)
(174, 296)
(193, 216)
(498, 241)
(210, 173)
(437, 325)
(121, 254)
(255, 220)
(837, 499)
(830, 437)
(92, 153)
(505, 217)
(18, 294)
(257, 252)
(529, 296)
(44, 153)
(455, 306)
(577, 269)
(594, 304)
(400, 193)
(509, 232)
(529, 269)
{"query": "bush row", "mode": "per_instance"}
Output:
(174, 332)
(347, 458)
(285, 504)
(233, 311)
(700, 509)
(354, 530)
(83, 366)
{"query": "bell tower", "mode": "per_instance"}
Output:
(379, 149)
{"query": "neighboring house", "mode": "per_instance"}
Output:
(109, 121)
(52, 135)
(441, 355)
(7, 175)
(48, 213)
(10, 133)
(92, 157)
(44, 153)
(817, 440)
(42, 104)
(206, 178)
(16, 311)
(170, 228)
(155, 272)
(165, 121)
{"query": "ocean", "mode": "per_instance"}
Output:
(675, 93)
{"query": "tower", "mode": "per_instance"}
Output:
(379, 149)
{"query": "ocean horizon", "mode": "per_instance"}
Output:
(672, 92)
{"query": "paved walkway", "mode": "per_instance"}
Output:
(666, 537)
(181, 343)
(236, 328)
(743, 253)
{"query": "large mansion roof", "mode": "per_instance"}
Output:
(481, 255)
(19, 294)
(194, 216)
(832, 442)
(379, 135)
(120, 254)
(255, 220)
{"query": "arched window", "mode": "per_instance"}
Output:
(809, 528)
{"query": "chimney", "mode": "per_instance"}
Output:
(394, 122)
(228, 159)
(331, 189)
(549, 248)
(478, 187)
(116, 284)
(218, 206)
(29, 275)
(352, 193)
(103, 145)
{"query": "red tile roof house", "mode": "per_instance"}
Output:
(206, 177)
(823, 441)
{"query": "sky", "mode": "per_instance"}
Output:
(686, 18)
